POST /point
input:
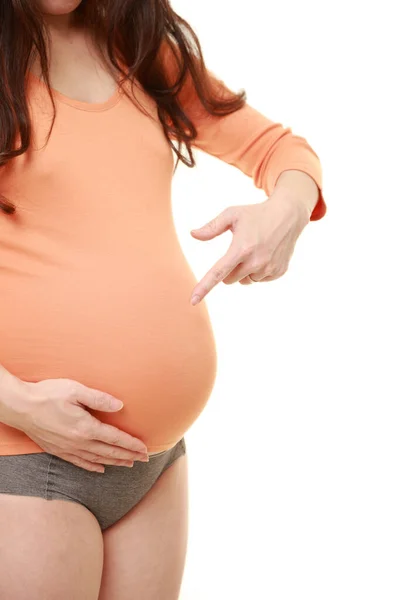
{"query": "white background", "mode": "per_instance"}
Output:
(294, 464)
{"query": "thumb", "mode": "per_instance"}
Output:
(215, 227)
(98, 400)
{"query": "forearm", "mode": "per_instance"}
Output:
(13, 398)
(298, 185)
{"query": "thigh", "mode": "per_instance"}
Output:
(144, 552)
(48, 549)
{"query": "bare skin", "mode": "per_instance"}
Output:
(55, 549)
(144, 552)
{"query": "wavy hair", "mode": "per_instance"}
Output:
(137, 34)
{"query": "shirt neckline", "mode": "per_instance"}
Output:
(80, 104)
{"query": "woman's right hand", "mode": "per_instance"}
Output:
(55, 417)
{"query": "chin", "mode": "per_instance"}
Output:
(58, 7)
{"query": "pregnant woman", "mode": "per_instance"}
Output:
(107, 357)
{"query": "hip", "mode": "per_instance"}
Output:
(109, 495)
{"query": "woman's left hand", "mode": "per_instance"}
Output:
(264, 237)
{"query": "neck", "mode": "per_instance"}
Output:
(61, 24)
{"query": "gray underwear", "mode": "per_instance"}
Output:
(109, 495)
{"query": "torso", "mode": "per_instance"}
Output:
(94, 285)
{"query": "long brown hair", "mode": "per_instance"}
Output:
(135, 33)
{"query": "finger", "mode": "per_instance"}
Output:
(216, 226)
(217, 273)
(103, 460)
(81, 462)
(246, 280)
(271, 277)
(96, 399)
(258, 278)
(240, 272)
(112, 452)
(116, 437)
(247, 272)
(274, 273)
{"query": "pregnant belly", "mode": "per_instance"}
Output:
(130, 332)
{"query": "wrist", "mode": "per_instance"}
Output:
(15, 402)
(299, 187)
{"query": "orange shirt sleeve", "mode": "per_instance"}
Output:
(247, 139)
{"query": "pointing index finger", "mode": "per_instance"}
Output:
(217, 273)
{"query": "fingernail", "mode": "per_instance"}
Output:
(195, 300)
(117, 404)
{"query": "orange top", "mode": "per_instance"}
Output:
(94, 285)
